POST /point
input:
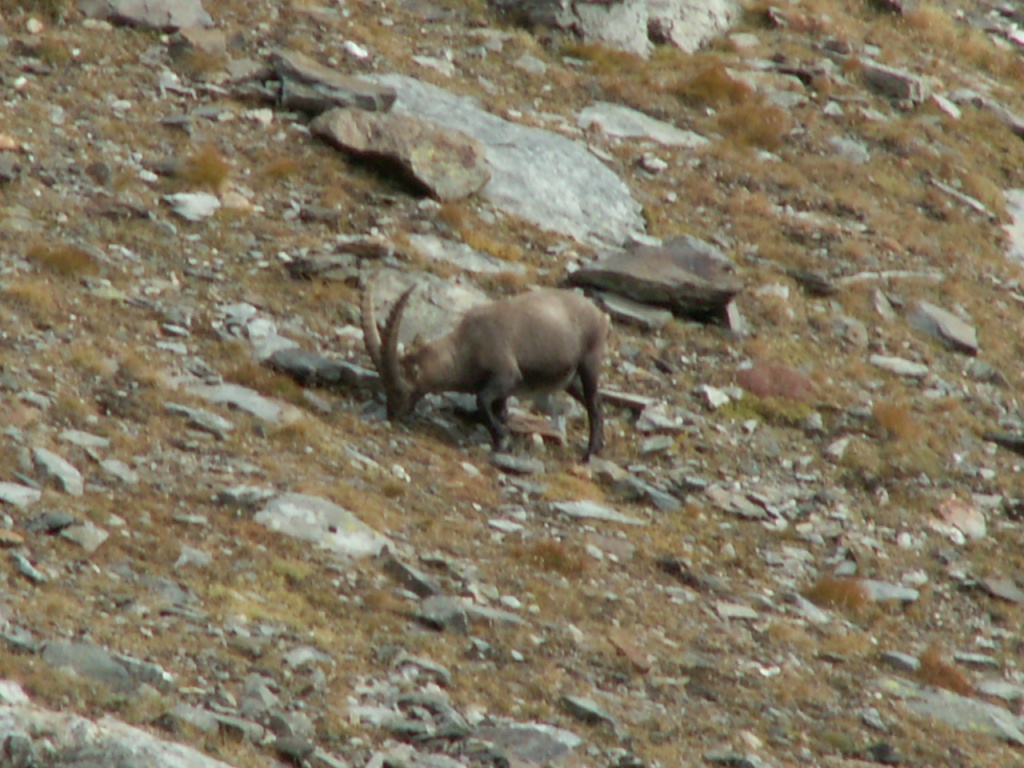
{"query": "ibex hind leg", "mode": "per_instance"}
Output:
(495, 418)
(584, 389)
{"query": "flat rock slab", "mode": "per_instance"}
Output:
(448, 163)
(622, 122)
(310, 87)
(19, 495)
(464, 257)
(314, 370)
(88, 660)
(956, 333)
(66, 738)
(532, 743)
(551, 181)
(689, 24)
(957, 711)
(591, 510)
(899, 366)
(321, 521)
(248, 400)
(57, 469)
(686, 275)
(165, 15)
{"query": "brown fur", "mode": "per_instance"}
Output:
(538, 342)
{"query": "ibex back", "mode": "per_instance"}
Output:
(538, 342)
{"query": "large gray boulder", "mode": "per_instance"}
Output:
(551, 181)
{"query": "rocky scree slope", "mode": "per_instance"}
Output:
(802, 544)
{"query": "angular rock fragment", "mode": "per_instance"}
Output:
(944, 325)
(623, 122)
(323, 522)
(313, 88)
(449, 164)
(165, 15)
(18, 495)
(57, 469)
(895, 83)
(689, 276)
(543, 177)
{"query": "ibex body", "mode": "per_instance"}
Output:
(538, 342)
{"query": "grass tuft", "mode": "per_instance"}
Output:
(938, 672)
(62, 259)
(553, 555)
(207, 168)
(713, 86)
(841, 593)
(897, 420)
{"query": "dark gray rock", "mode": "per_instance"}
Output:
(413, 579)
(88, 660)
(310, 87)
(686, 275)
(314, 370)
(444, 613)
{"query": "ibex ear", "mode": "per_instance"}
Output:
(417, 341)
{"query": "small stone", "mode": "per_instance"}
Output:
(193, 206)
(899, 366)
(952, 330)
(59, 470)
(18, 495)
(593, 511)
(902, 662)
(445, 613)
(586, 710)
(1003, 588)
(87, 535)
(518, 465)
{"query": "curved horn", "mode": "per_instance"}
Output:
(396, 388)
(371, 334)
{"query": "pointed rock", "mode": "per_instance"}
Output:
(448, 163)
(165, 15)
(313, 88)
(323, 522)
(538, 175)
(953, 331)
(687, 275)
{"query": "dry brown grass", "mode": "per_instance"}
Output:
(936, 671)
(756, 124)
(34, 297)
(206, 168)
(842, 593)
(279, 168)
(713, 86)
(62, 259)
(896, 420)
(553, 555)
(55, 10)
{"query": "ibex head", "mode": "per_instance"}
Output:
(399, 392)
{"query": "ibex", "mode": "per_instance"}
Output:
(538, 342)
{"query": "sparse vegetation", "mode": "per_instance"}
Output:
(106, 320)
(935, 670)
(62, 259)
(842, 593)
(206, 168)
